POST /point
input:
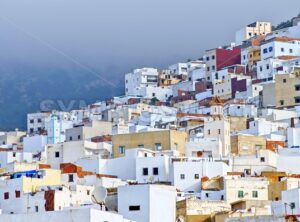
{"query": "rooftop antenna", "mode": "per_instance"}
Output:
(99, 195)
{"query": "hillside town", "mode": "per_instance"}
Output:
(215, 139)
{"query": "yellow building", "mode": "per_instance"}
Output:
(254, 56)
(237, 123)
(196, 210)
(50, 178)
(166, 79)
(29, 181)
(154, 140)
(247, 144)
(284, 92)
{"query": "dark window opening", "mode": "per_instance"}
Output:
(134, 208)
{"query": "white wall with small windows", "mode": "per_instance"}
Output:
(240, 109)
(261, 126)
(253, 165)
(152, 169)
(275, 48)
(223, 87)
(212, 195)
(218, 128)
(10, 157)
(266, 69)
(158, 202)
(179, 69)
(144, 83)
(36, 122)
(187, 173)
(197, 72)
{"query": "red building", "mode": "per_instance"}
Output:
(225, 57)
(219, 58)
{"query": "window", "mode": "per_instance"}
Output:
(207, 195)
(153, 94)
(208, 132)
(268, 66)
(265, 51)
(219, 131)
(71, 178)
(261, 68)
(140, 145)
(6, 195)
(39, 129)
(213, 57)
(254, 194)
(262, 159)
(14, 154)
(244, 57)
(145, 171)
(39, 120)
(213, 67)
(282, 49)
(291, 50)
(31, 130)
(182, 176)
(78, 137)
(270, 49)
(240, 194)
(155, 171)
(281, 102)
(297, 87)
(157, 146)
(88, 192)
(297, 99)
(207, 69)
(284, 80)
(31, 121)
(207, 58)
(56, 154)
(70, 138)
(121, 149)
(134, 208)
(196, 176)
(18, 193)
(36, 208)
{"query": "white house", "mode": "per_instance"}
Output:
(34, 143)
(252, 30)
(280, 46)
(144, 83)
(204, 147)
(147, 203)
(186, 173)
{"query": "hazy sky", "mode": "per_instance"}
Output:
(124, 34)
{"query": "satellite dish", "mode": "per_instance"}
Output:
(99, 195)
